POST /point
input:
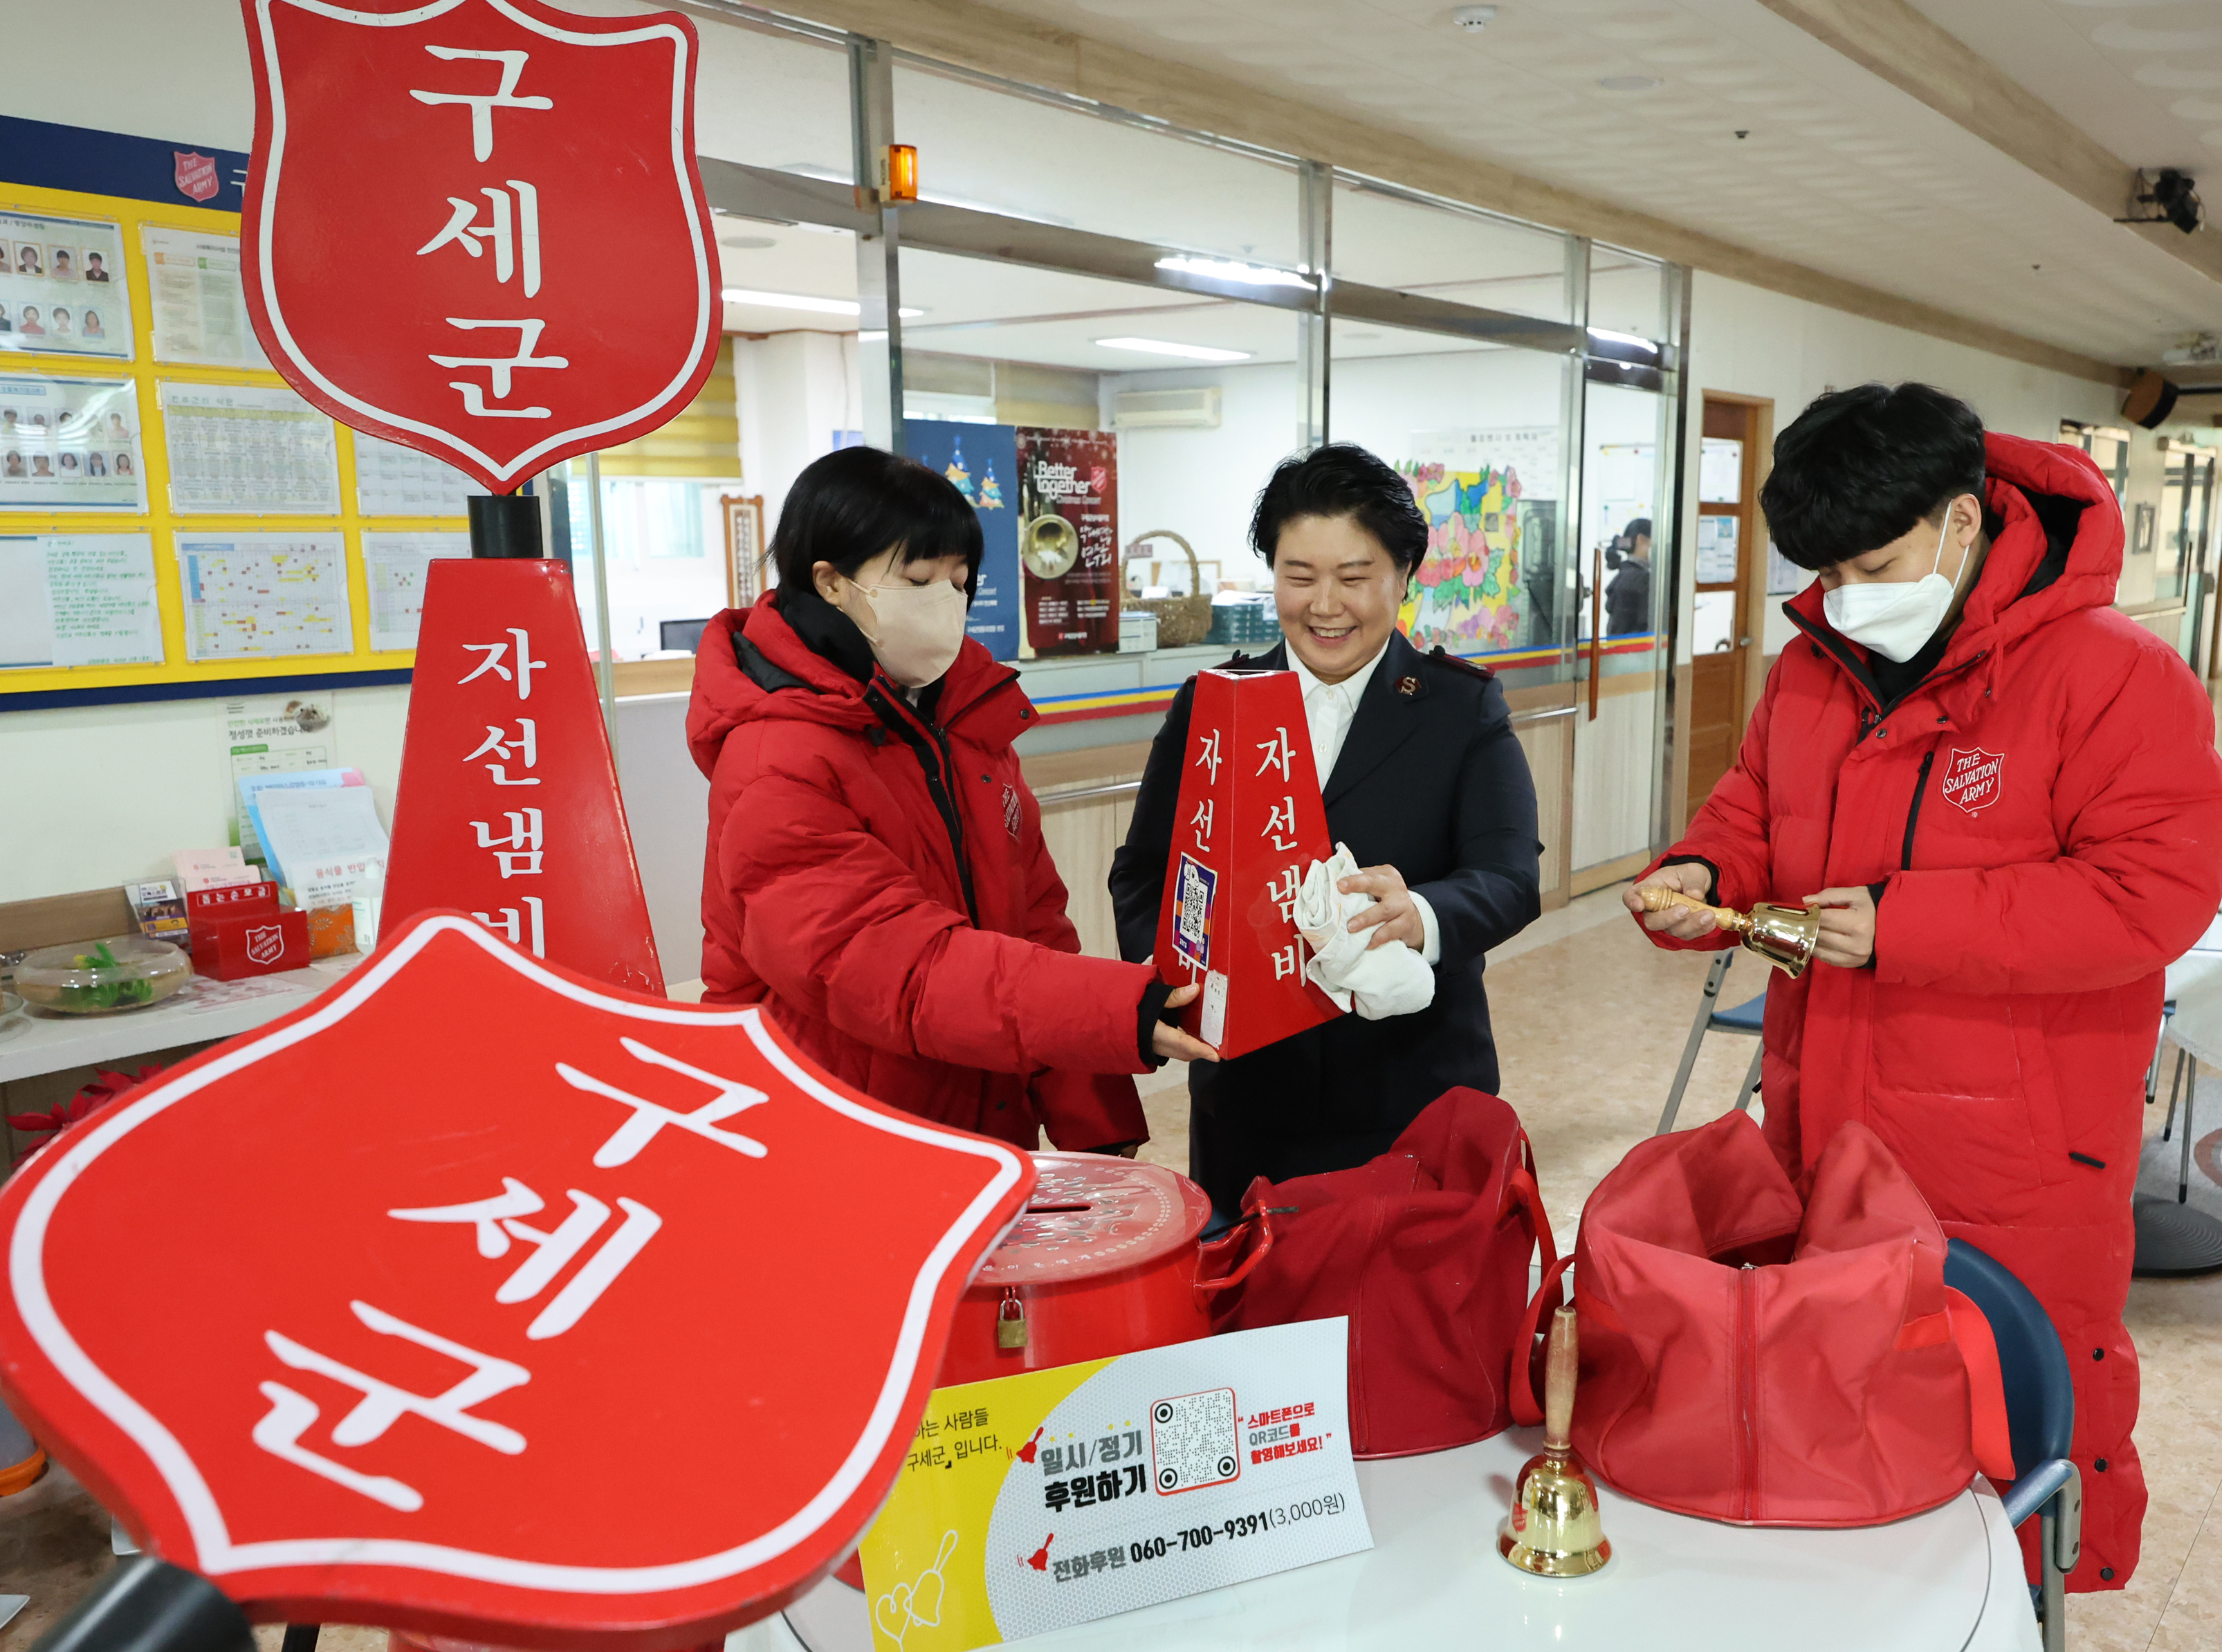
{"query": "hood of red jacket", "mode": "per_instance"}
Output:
(2002, 609)
(794, 683)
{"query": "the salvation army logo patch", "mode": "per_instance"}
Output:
(196, 175)
(1972, 778)
(1014, 816)
(266, 946)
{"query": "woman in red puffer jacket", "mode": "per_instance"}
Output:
(875, 873)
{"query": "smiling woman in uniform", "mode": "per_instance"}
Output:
(1424, 783)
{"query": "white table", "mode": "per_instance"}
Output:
(41, 1043)
(1950, 1581)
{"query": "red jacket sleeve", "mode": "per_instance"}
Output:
(2137, 802)
(834, 921)
(1080, 1110)
(1731, 832)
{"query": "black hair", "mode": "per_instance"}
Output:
(1860, 468)
(1342, 479)
(854, 503)
(1639, 529)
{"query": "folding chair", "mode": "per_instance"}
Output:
(1746, 1018)
(2040, 1420)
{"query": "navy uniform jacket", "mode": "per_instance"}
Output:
(1432, 782)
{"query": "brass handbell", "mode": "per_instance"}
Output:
(1784, 936)
(1553, 1530)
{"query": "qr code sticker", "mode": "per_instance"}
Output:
(1193, 1440)
(1192, 919)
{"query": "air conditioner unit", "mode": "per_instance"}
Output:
(1161, 410)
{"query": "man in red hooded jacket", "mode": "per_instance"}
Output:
(2007, 799)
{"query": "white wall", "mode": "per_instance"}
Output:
(1754, 342)
(102, 795)
(792, 391)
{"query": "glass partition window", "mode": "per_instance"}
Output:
(1197, 398)
(1479, 431)
(1627, 294)
(982, 147)
(1382, 238)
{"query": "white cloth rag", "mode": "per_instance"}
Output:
(1390, 979)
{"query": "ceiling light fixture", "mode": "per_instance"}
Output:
(1631, 340)
(799, 301)
(1159, 346)
(1229, 269)
(1474, 19)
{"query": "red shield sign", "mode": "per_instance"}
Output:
(1972, 779)
(196, 175)
(475, 1298)
(474, 227)
(264, 945)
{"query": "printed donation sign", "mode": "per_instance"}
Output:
(508, 801)
(473, 1299)
(1248, 826)
(1055, 1497)
(474, 227)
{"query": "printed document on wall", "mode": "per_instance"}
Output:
(78, 599)
(395, 566)
(236, 449)
(252, 596)
(70, 444)
(391, 479)
(200, 304)
(62, 288)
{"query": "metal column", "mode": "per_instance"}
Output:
(879, 273)
(1667, 575)
(1315, 227)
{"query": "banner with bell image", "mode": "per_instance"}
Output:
(1052, 1497)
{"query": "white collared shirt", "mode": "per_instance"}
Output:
(1329, 708)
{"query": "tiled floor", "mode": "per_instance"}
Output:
(1590, 1021)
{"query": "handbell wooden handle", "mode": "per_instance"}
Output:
(1657, 897)
(1561, 1364)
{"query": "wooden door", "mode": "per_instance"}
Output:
(1721, 630)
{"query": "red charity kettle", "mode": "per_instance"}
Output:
(1104, 1262)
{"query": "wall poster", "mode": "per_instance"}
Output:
(62, 288)
(1487, 585)
(70, 444)
(252, 595)
(238, 449)
(200, 308)
(1069, 539)
(78, 599)
(981, 461)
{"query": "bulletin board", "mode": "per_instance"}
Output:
(356, 656)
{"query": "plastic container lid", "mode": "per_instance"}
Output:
(93, 977)
(1091, 1216)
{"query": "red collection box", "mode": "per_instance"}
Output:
(1250, 823)
(238, 932)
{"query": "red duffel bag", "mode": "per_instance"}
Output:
(1426, 1249)
(1754, 1356)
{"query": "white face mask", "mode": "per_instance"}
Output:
(1895, 617)
(915, 631)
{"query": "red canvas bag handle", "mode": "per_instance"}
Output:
(1212, 1252)
(1520, 1189)
(1525, 1410)
(1986, 1390)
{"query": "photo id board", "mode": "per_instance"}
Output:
(1057, 1496)
(62, 288)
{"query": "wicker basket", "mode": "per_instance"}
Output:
(1183, 622)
